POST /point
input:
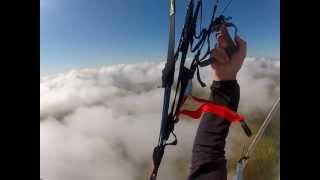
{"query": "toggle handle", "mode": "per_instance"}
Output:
(157, 155)
(246, 128)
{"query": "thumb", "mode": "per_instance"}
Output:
(242, 45)
(241, 52)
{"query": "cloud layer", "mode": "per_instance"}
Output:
(103, 123)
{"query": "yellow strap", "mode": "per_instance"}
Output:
(172, 8)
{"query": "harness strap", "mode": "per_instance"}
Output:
(210, 107)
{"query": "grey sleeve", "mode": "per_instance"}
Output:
(208, 154)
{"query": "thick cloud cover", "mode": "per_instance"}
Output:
(103, 123)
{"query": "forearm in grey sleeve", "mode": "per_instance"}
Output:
(208, 154)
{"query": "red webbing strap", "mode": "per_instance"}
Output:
(210, 107)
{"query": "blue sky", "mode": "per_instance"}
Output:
(90, 33)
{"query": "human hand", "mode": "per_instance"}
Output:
(225, 67)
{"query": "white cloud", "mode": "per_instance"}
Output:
(103, 123)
